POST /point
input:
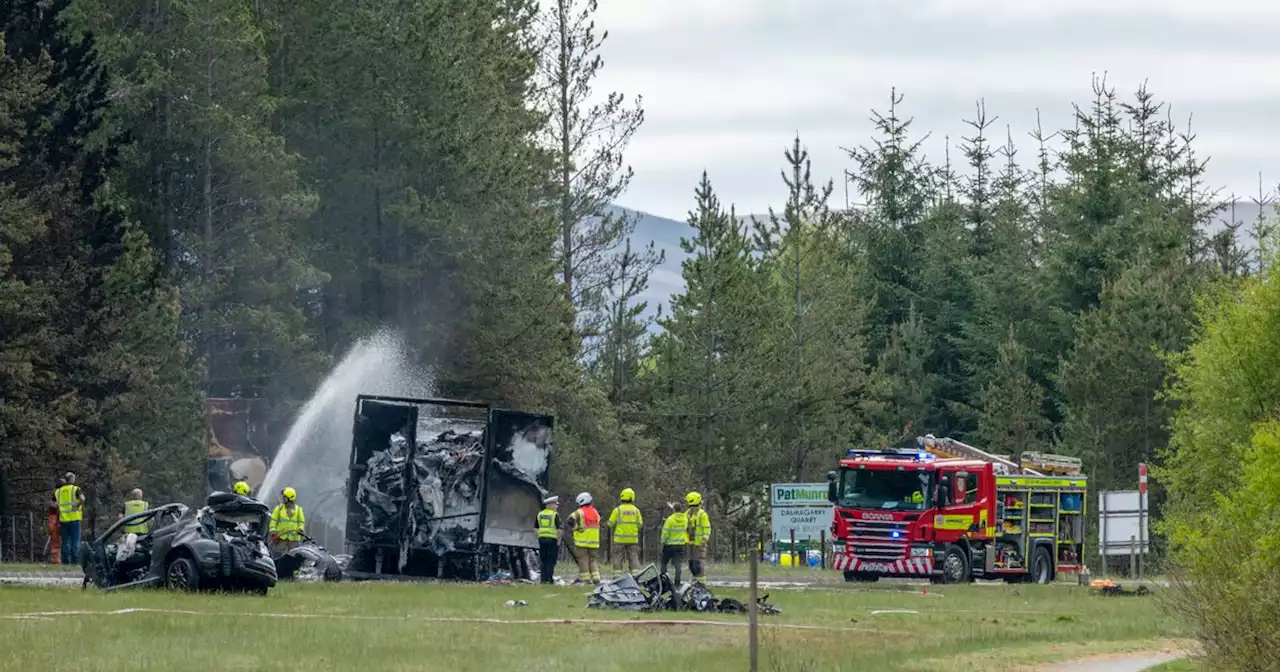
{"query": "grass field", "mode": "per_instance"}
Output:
(377, 626)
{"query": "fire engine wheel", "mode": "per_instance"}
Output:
(955, 566)
(1042, 566)
(860, 577)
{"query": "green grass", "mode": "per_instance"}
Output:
(376, 626)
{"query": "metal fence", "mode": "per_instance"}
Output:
(725, 546)
(24, 538)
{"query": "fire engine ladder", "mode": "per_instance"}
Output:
(952, 448)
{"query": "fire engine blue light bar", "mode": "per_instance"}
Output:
(918, 455)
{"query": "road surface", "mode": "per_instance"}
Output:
(1134, 663)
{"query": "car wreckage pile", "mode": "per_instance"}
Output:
(651, 591)
(444, 489)
(447, 468)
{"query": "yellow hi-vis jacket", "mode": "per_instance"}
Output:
(136, 506)
(675, 530)
(586, 527)
(288, 527)
(699, 526)
(547, 528)
(625, 521)
(69, 504)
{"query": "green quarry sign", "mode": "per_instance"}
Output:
(799, 494)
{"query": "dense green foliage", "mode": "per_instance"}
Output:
(1222, 474)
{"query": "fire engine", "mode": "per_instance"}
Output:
(949, 512)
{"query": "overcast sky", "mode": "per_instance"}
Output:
(728, 83)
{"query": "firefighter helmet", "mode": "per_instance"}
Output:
(628, 495)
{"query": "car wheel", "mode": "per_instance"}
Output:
(1042, 566)
(955, 566)
(182, 574)
(860, 577)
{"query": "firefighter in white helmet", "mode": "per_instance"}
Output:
(585, 522)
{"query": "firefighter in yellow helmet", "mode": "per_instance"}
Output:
(699, 534)
(241, 488)
(625, 522)
(287, 522)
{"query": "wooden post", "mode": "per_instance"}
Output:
(1133, 557)
(753, 645)
(823, 538)
(792, 550)
(31, 537)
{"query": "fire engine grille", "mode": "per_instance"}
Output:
(877, 540)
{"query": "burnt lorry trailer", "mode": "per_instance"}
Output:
(447, 489)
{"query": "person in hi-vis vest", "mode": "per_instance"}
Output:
(548, 526)
(586, 539)
(625, 522)
(70, 501)
(136, 504)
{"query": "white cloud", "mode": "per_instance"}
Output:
(727, 83)
(629, 16)
(1018, 10)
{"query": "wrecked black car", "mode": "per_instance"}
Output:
(219, 546)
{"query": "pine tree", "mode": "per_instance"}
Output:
(897, 185)
(98, 366)
(216, 188)
(814, 342)
(706, 358)
(625, 327)
(588, 138)
(1011, 420)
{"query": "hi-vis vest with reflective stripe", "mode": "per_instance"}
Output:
(136, 506)
(586, 529)
(69, 504)
(700, 526)
(625, 521)
(288, 527)
(675, 531)
(547, 524)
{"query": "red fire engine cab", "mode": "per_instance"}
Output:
(951, 513)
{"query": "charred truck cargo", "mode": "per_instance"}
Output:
(448, 489)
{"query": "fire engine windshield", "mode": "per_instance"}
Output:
(884, 489)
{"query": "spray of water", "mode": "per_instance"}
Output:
(313, 458)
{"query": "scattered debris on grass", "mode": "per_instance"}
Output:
(637, 593)
(1110, 588)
